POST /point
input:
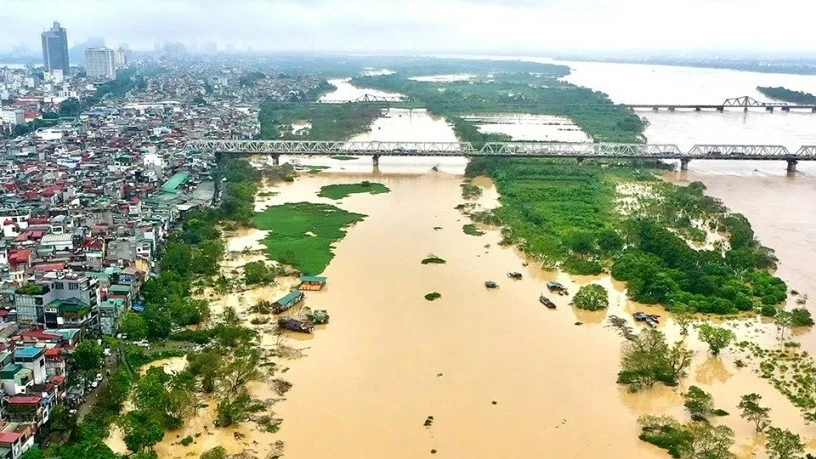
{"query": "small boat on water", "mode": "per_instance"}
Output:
(546, 301)
(557, 287)
(491, 284)
(301, 326)
(514, 275)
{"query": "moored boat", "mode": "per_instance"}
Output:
(301, 326)
(557, 287)
(546, 301)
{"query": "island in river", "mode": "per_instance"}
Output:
(788, 95)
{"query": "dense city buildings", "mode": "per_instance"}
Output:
(101, 62)
(55, 49)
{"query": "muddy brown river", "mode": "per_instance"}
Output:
(502, 376)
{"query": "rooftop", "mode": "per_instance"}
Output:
(28, 352)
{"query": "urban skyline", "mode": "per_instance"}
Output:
(402, 26)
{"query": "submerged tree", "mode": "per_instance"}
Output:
(717, 338)
(783, 444)
(699, 403)
(753, 412)
(649, 358)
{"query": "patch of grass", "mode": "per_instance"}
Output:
(343, 157)
(432, 296)
(341, 190)
(472, 230)
(288, 241)
(433, 259)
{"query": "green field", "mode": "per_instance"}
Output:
(341, 190)
(302, 234)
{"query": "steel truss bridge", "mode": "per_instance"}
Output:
(744, 102)
(579, 151)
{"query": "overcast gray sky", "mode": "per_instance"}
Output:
(425, 25)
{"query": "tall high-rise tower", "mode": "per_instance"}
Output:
(55, 49)
(100, 62)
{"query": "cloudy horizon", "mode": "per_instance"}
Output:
(399, 26)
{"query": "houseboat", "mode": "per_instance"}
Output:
(289, 300)
(312, 283)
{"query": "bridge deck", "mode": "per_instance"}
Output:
(505, 149)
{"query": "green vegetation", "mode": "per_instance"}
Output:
(471, 191)
(717, 338)
(341, 190)
(432, 296)
(592, 297)
(700, 404)
(783, 444)
(260, 273)
(692, 440)
(790, 371)
(541, 93)
(433, 259)
(216, 453)
(787, 95)
(568, 217)
(329, 121)
(648, 358)
(800, 317)
(753, 412)
(344, 157)
(472, 230)
(302, 234)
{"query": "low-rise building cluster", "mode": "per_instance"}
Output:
(85, 206)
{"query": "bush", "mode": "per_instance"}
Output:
(186, 440)
(432, 296)
(216, 453)
(592, 297)
(800, 317)
(768, 311)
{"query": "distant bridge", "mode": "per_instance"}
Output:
(744, 102)
(579, 151)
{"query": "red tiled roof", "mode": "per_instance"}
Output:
(58, 379)
(40, 335)
(9, 437)
(24, 399)
(48, 267)
(53, 352)
(20, 256)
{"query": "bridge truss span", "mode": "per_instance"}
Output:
(806, 152)
(580, 150)
(740, 151)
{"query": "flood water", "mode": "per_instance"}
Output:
(501, 375)
(390, 359)
(346, 91)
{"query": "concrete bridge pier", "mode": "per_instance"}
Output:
(785, 109)
(276, 160)
(697, 109)
(722, 109)
(684, 162)
(376, 160)
(769, 109)
(792, 165)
